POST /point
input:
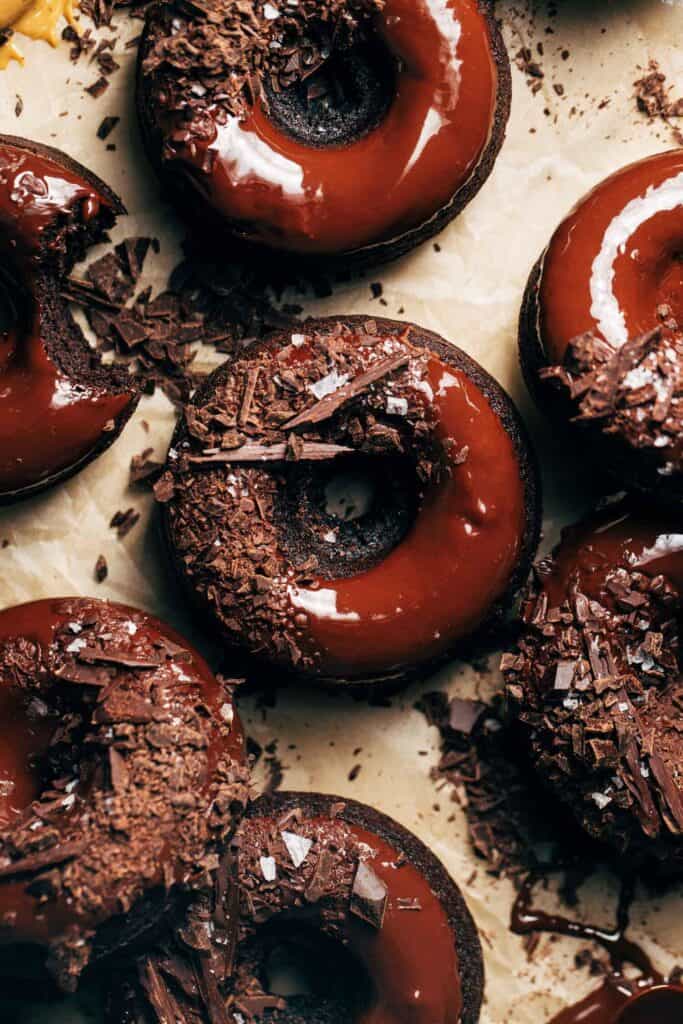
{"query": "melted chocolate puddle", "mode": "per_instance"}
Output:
(647, 999)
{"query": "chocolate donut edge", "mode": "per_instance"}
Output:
(109, 377)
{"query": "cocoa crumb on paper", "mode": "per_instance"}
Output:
(653, 98)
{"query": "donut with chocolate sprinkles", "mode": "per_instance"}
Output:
(601, 325)
(595, 678)
(123, 779)
(342, 896)
(325, 128)
(349, 501)
(61, 407)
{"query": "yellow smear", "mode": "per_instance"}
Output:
(38, 19)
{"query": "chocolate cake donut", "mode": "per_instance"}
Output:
(60, 406)
(123, 778)
(601, 327)
(340, 895)
(596, 680)
(327, 127)
(254, 500)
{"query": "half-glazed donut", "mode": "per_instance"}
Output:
(325, 127)
(59, 406)
(602, 323)
(123, 778)
(596, 678)
(256, 500)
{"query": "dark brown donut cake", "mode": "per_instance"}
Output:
(60, 406)
(123, 778)
(324, 127)
(601, 327)
(355, 901)
(280, 570)
(596, 678)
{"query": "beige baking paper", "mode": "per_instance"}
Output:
(557, 147)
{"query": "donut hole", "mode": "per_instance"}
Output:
(656, 1006)
(348, 514)
(344, 99)
(320, 979)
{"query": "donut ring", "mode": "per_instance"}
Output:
(428, 970)
(606, 298)
(595, 678)
(278, 572)
(275, 174)
(123, 778)
(60, 406)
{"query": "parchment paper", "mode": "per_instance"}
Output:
(469, 291)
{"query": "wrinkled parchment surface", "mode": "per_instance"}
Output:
(557, 147)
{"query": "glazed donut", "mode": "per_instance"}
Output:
(379, 927)
(602, 320)
(596, 678)
(123, 777)
(326, 127)
(258, 530)
(60, 406)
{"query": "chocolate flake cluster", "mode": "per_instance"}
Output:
(216, 54)
(135, 796)
(349, 390)
(598, 687)
(633, 392)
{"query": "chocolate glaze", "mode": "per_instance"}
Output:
(411, 961)
(623, 535)
(647, 999)
(476, 518)
(77, 775)
(443, 127)
(612, 269)
(615, 259)
(52, 419)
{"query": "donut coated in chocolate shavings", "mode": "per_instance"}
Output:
(633, 392)
(598, 688)
(143, 784)
(206, 54)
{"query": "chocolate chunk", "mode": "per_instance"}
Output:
(369, 896)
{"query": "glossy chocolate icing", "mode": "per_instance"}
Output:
(37, 643)
(277, 191)
(646, 999)
(469, 527)
(412, 960)
(49, 423)
(622, 535)
(615, 260)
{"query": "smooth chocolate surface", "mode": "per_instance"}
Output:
(122, 775)
(300, 407)
(59, 407)
(429, 153)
